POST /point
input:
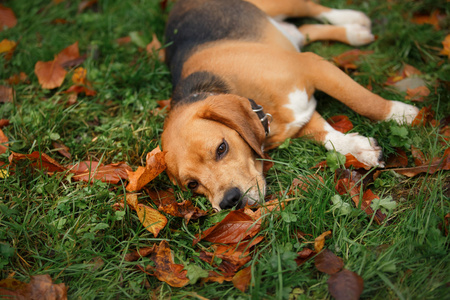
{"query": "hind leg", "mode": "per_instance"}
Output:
(351, 34)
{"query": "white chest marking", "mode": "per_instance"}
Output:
(290, 32)
(302, 108)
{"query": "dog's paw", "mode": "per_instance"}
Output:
(358, 35)
(402, 113)
(364, 149)
(344, 17)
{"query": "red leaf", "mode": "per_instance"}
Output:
(7, 18)
(242, 279)
(345, 285)
(4, 123)
(3, 142)
(142, 252)
(328, 262)
(432, 19)
(40, 161)
(90, 170)
(419, 157)
(78, 89)
(236, 226)
(341, 123)
(304, 256)
(424, 116)
(398, 159)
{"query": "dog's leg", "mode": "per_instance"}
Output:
(330, 79)
(352, 34)
(365, 149)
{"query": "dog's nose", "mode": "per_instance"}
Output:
(231, 198)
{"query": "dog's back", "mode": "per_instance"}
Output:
(197, 23)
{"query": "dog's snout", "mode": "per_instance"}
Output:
(232, 198)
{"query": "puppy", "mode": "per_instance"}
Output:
(236, 67)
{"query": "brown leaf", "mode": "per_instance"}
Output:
(304, 256)
(4, 123)
(345, 285)
(236, 226)
(7, 47)
(155, 166)
(242, 279)
(319, 241)
(155, 46)
(142, 252)
(40, 161)
(424, 116)
(6, 94)
(305, 183)
(7, 18)
(430, 167)
(348, 59)
(123, 40)
(3, 142)
(328, 262)
(68, 54)
(419, 157)
(397, 159)
(86, 4)
(341, 123)
(150, 218)
(352, 161)
(432, 19)
(446, 46)
(50, 74)
(417, 94)
(90, 170)
(62, 149)
(166, 270)
(17, 78)
(406, 72)
(39, 287)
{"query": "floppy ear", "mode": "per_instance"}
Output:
(236, 113)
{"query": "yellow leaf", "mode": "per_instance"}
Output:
(79, 76)
(446, 46)
(319, 242)
(7, 45)
(150, 218)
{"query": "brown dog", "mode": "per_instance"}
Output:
(222, 54)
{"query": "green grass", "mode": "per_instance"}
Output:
(51, 225)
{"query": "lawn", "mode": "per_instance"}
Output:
(53, 224)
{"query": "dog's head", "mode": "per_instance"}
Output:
(213, 147)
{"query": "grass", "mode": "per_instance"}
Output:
(51, 225)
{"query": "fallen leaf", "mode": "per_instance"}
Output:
(304, 256)
(155, 46)
(345, 285)
(40, 161)
(90, 170)
(7, 47)
(305, 183)
(165, 269)
(150, 218)
(350, 161)
(319, 241)
(446, 46)
(406, 72)
(432, 19)
(7, 18)
(4, 123)
(236, 226)
(424, 116)
(328, 262)
(348, 59)
(417, 94)
(62, 149)
(80, 89)
(341, 123)
(86, 4)
(123, 40)
(242, 279)
(39, 287)
(3, 142)
(419, 157)
(397, 159)
(430, 167)
(143, 175)
(79, 76)
(50, 74)
(17, 78)
(68, 54)
(6, 94)
(142, 252)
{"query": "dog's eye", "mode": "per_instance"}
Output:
(192, 185)
(222, 150)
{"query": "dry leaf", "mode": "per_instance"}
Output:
(319, 241)
(39, 287)
(50, 74)
(432, 19)
(165, 269)
(4, 123)
(90, 170)
(417, 94)
(40, 161)
(17, 78)
(348, 59)
(150, 218)
(155, 46)
(62, 149)
(155, 166)
(345, 285)
(424, 116)
(242, 279)
(80, 89)
(3, 142)
(142, 252)
(397, 159)
(7, 46)
(7, 18)
(446, 46)
(430, 167)
(328, 262)
(6, 94)
(68, 54)
(79, 76)
(86, 4)
(304, 256)
(341, 123)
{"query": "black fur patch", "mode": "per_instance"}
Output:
(196, 22)
(198, 86)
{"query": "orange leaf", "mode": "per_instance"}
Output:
(348, 59)
(350, 160)
(40, 161)
(6, 94)
(123, 40)
(17, 78)
(304, 256)
(78, 89)
(7, 18)
(155, 45)
(79, 76)
(90, 170)
(50, 74)
(68, 54)
(341, 123)
(419, 157)
(142, 252)
(328, 262)
(446, 46)
(236, 226)
(155, 165)
(150, 218)
(242, 278)
(319, 241)
(345, 285)
(39, 287)
(432, 19)
(3, 142)
(165, 269)
(7, 46)
(429, 167)
(4, 123)
(398, 159)
(424, 116)
(417, 94)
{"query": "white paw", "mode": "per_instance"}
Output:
(364, 149)
(345, 16)
(402, 112)
(358, 35)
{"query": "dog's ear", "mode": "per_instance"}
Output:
(236, 113)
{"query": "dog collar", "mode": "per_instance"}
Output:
(265, 118)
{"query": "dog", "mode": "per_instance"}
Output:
(242, 86)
